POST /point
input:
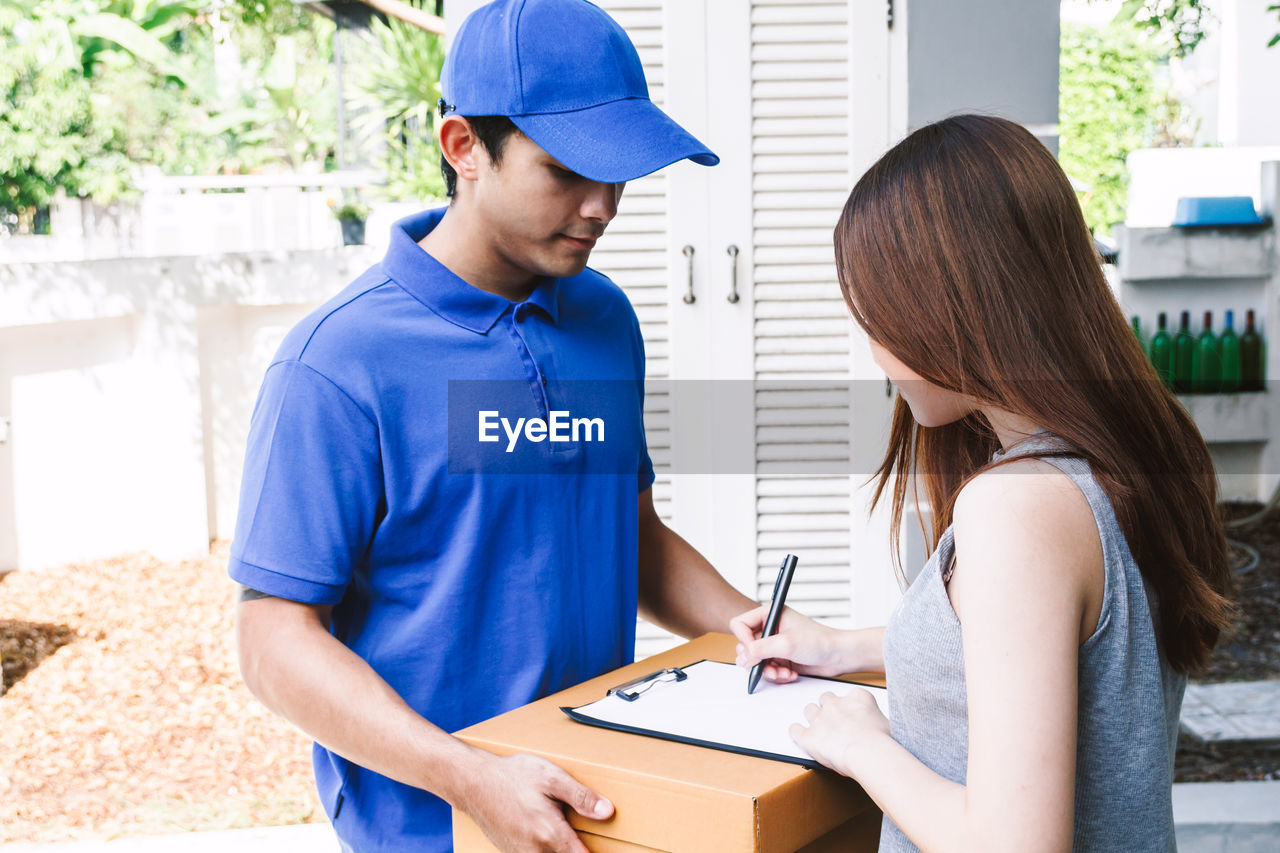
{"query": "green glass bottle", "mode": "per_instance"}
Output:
(1251, 377)
(1136, 323)
(1184, 348)
(1206, 370)
(1229, 356)
(1161, 352)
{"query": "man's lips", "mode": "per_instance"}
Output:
(580, 242)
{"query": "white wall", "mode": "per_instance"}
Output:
(1249, 74)
(988, 56)
(1158, 177)
(85, 442)
(128, 384)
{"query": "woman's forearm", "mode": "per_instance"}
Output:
(864, 649)
(931, 810)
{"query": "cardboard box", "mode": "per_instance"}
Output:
(675, 797)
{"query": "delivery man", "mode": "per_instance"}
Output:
(425, 538)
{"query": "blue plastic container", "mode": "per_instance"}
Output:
(1197, 211)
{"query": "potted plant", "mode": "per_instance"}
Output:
(351, 215)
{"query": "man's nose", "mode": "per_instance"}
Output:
(601, 203)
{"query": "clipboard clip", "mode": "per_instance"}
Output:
(644, 682)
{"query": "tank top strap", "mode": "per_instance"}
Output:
(1057, 452)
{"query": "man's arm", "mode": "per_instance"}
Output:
(300, 671)
(679, 589)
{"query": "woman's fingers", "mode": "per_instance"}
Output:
(747, 626)
(777, 647)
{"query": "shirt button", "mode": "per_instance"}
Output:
(544, 379)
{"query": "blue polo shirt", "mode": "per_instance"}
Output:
(474, 574)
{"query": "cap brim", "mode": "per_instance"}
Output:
(614, 142)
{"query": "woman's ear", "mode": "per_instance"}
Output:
(459, 145)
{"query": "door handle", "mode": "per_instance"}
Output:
(733, 273)
(689, 298)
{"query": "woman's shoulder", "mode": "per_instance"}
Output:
(1028, 522)
(1029, 491)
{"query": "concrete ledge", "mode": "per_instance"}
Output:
(1227, 817)
(1247, 711)
(1192, 253)
(1230, 417)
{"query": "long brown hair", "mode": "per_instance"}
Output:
(963, 251)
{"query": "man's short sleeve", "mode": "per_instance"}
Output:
(645, 475)
(312, 488)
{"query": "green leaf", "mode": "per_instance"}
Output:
(131, 37)
(1129, 10)
(167, 12)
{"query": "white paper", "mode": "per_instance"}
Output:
(713, 705)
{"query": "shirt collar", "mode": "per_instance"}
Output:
(433, 284)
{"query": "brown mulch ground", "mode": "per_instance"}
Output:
(125, 714)
(1250, 651)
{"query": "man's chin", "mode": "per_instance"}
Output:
(567, 267)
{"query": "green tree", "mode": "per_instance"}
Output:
(1109, 105)
(88, 92)
(284, 108)
(95, 89)
(1181, 22)
(48, 136)
(396, 77)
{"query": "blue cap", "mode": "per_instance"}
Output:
(569, 77)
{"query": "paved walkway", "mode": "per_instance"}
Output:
(1211, 817)
(1227, 817)
(310, 838)
(1245, 710)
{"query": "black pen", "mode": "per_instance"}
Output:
(775, 613)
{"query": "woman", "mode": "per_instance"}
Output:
(1036, 665)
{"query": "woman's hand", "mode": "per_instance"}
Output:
(801, 646)
(840, 730)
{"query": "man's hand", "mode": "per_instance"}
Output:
(519, 801)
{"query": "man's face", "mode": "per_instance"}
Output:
(542, 218)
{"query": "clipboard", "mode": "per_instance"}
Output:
(706, 704)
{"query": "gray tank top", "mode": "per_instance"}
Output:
(1129, 697)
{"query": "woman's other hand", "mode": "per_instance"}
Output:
(840, 728)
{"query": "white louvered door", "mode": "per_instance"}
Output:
(818, 106)
(801, 336)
